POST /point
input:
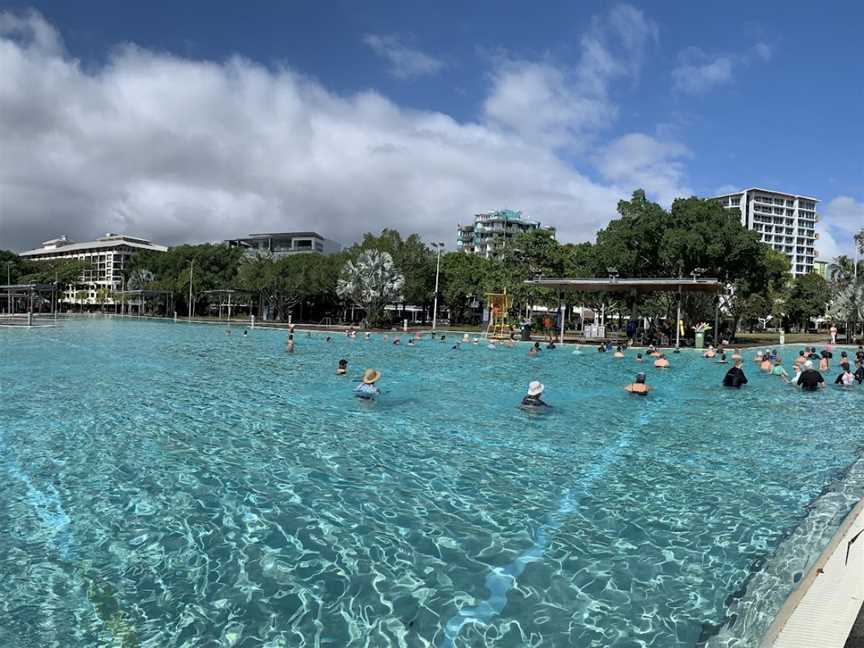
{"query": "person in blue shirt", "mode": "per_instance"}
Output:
(367, 389)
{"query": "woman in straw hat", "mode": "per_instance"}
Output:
(532, 401)
(367, 389)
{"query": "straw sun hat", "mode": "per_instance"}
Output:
(535, 388)
(370, 376)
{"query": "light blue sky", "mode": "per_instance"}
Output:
(348, 116)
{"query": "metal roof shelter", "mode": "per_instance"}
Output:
(141, 295)
(639, 286)
(615, 284)
(221, 293)
(15, 293)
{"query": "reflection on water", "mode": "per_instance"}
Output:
(170, 486)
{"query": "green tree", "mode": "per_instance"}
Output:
(808, 298)
(464, 278)
(215, 267)
(101, 298)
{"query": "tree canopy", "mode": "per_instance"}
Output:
(645, 240)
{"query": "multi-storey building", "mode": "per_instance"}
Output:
(280, 245)
(107, 257)
(784, 221)
(821, 268)
(490, 232)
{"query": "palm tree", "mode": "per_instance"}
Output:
(372, 281)
(138, 279)
(848, 304)
(841, 271)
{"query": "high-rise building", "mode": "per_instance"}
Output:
(490, 231)
(279, 245)
(821, 268)
(107, 257)
(784, 221)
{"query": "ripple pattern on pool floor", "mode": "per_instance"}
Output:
(186, 488)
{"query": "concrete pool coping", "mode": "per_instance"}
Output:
(823, 608)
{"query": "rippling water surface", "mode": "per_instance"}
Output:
(168, 485)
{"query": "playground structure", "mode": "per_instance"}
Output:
(499, 305)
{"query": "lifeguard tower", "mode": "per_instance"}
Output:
(499, 305)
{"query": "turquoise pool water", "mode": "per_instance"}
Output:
(168, 485)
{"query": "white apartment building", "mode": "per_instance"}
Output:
(107, 257)
(492, 231)
(784, 221)
(280, 245)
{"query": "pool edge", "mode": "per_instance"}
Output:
(803, 607)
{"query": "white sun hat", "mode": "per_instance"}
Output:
(535, 388)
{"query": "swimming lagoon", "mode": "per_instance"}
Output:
(170, 485)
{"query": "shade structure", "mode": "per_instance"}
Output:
(680, 285)
(639, 286)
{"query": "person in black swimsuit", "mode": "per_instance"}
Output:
(735, 376)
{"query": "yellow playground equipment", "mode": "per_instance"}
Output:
(499, 305)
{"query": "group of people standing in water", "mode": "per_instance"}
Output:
(805, 374)
(807, 367)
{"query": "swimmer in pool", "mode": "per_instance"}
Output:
(661, 362)
(532, 401)
(368, 390)
(846, 377)
(342, 369)
(638, 386)
(735, 376)
(779, 370)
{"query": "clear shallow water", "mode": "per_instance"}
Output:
(167, 485)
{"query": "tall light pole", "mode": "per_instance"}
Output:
(8, 288)
(438, 247)
(191, 265)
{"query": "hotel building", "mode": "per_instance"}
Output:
(490, 231)
(784, 221)
(279, 245)
(107, 257)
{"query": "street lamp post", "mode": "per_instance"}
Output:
(8, 288)
(438, 247)
(191, 265)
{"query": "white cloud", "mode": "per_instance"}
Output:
(405, 62)
(841, 219)
(763, 51)
(697, 71)
(559, 106)
(638, 160)
(179, 150)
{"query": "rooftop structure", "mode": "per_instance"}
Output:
(107, 257)
(280, 245)
(490, 231)
(784, 221)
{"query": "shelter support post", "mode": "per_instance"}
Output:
(678, 322)
(561, 311)
(717, 321)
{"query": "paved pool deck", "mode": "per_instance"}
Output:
(823, 609)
